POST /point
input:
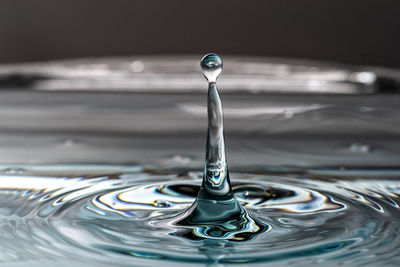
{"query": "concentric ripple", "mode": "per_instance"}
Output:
(119, 218)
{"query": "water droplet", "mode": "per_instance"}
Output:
(216, 182)
(211, 66)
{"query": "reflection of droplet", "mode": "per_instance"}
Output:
(284, 220)
(137, 66)
(162, 204)
(180, 159)
(195, 175)
(366, 109)
(365, 77)
(288, 114)
(358, 147)
(14, 171)
(69, 143)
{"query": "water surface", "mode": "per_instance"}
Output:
(101, 215)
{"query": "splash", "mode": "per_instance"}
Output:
(216, 213)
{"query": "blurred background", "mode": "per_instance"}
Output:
(353, 31)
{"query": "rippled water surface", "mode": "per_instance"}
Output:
(105, 214)
(104, 178)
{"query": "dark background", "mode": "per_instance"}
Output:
(349, 31)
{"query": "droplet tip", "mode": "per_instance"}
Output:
(211, 66)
